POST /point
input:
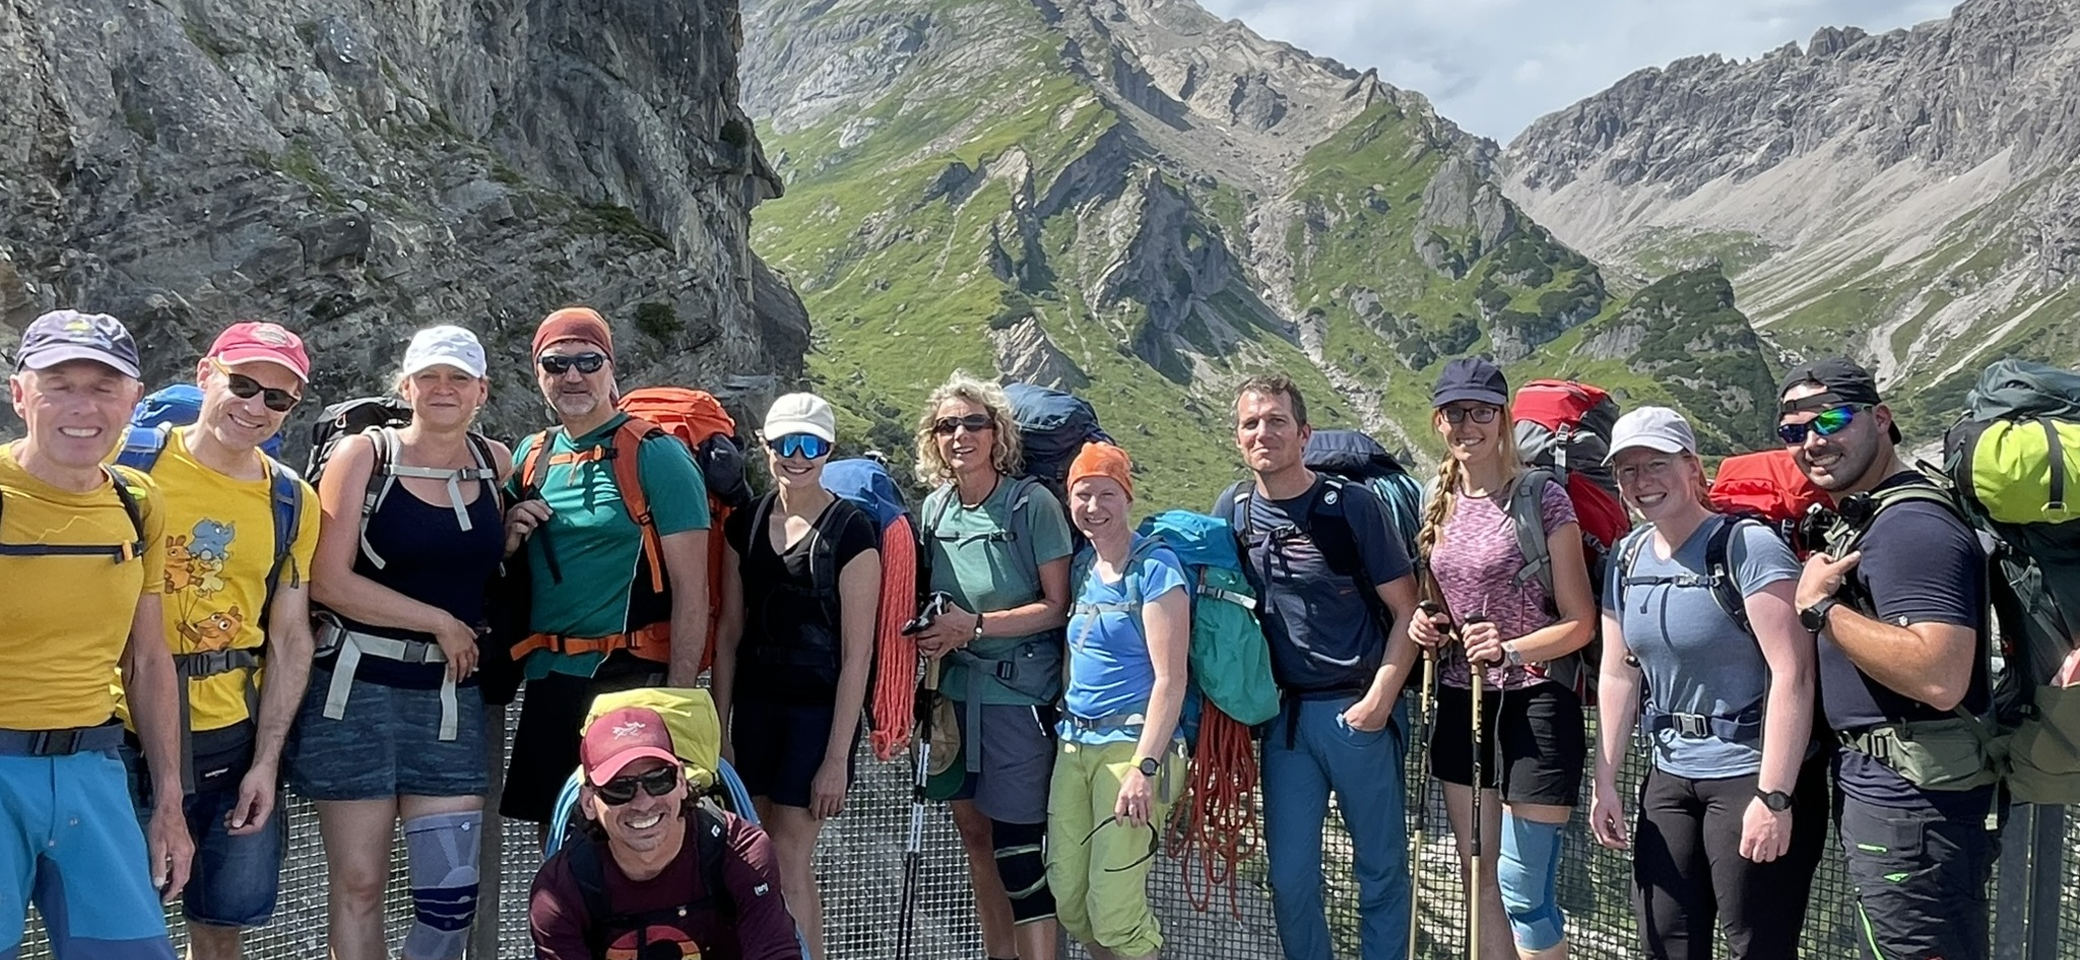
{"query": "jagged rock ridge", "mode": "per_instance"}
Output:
(356, 172)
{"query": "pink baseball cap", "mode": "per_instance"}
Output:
(621, 737)
(254, 341)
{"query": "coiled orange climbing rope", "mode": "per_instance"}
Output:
(1218, 822)
(894, 697)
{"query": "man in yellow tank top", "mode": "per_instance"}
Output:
(80, 553)
(240, 532)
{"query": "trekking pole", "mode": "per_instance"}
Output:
(1419, 745)
(913, 850)
(1479, 674)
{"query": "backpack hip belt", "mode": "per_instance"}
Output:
(650, 643)
(1953, 753)
(1109, 723)
(352, 645)
(1009, 674)
(1743, 727)
(60, 743)
(200, 665)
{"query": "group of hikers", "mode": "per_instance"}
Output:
(188, 623)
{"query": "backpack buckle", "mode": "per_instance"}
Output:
(54, 743)
(1692, 725)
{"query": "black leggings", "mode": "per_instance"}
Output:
(1688, 871)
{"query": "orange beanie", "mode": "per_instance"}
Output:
(1103, 460)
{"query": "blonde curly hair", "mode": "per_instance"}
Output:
(1005, 452)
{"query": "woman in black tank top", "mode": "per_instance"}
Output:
(392, 727)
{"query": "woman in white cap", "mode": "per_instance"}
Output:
(392, 725)
(1702, 645)
(801, 585)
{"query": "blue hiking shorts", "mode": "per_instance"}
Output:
(69, 842)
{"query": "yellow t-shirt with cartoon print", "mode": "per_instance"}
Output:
(219, 546)
(64, 620)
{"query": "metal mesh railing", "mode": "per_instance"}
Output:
(859, 866)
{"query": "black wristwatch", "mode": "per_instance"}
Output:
(1814, 618)
(1776, 800)
(1149, 766)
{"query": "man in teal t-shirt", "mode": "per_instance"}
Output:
(599, 624)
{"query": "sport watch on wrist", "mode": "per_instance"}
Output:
(1149, 766)
(1814, 618)
(1511, 655)
(1776, 800)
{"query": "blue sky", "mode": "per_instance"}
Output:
(1493, 66)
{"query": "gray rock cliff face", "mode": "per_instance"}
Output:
(357, 171)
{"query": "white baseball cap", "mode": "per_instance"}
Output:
(1655, 428)
(801, 413)
(444, 346)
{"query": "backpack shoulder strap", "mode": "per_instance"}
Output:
(131, 508)
(1022, 548)
(285, 503)
(582, 855)
(1233, 507)
(531, 464)
(1527, 513)
(711, 845)
(1720, 566)
(142, 446)
(625, 452)
(380, 477)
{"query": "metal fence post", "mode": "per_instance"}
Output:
(483, 937)
(2025, 913)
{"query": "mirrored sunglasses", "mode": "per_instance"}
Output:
(1826, 423)
(807, 445)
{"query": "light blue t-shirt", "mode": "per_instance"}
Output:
(1693, 658)
(1110, 671)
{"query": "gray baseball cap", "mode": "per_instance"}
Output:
(1655, 428)
(62, 335)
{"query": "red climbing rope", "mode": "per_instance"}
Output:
(894, 697)
(1219, 818)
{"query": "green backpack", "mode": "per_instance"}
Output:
(2013, 461)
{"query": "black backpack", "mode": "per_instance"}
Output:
(708, 832)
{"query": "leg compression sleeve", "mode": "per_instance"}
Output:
(1529, 874)
(1022, 865)
(441, 851)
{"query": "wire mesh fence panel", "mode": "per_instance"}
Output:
(860, 869)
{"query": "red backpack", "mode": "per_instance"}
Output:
(1563, 433)
(699, 421)
(1769, 487)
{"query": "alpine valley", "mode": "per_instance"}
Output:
(1142, 203)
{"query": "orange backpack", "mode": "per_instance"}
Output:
(698, 420)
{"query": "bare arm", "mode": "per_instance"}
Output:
(1575, 600)
(1167, 623)
(729, 635)
(1617, 702)
(1929, 661)
(289, 649)
(149, 689)
(859, 601)
(686, 566)
(1787, 720)
(1046, 613)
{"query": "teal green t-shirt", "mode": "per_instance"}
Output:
(980, 571)
(597, 543)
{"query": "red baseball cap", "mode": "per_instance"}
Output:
(259, 342)
(621, 737)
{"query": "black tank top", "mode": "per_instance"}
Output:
(429, 558)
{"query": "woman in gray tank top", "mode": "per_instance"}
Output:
(1703, 648)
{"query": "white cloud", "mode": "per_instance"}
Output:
(1493, 66)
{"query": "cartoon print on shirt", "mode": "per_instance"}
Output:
(194, 577)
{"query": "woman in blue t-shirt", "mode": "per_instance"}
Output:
(1733, 814)
(1119, 764)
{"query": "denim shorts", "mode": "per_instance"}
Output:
(234, 879)
(69, 842)
(386, 745)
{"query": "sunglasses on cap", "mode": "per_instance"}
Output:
(807, 445)
(245, 388)
(1827, 423)
(557, 365)
(975, 422)
(656, 783)
(1480, 414)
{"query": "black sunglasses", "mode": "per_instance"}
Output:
(557, 365)
(244, 388)
(975, 422)
(656, 783)
(1481, 414)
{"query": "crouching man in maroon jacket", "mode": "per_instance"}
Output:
(654, 866)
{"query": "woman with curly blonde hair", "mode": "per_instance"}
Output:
(1000, 550)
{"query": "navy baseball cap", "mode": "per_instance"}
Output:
(63, 335)
(1470, 378)
(1844, 381)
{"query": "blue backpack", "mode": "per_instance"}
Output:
(1229, 661)
(1053, 426)
(1356, 457)
(180, 405)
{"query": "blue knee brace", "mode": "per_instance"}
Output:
(1529, 874)
(441, 851)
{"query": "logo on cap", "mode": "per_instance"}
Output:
(632, 728)
(271, 334)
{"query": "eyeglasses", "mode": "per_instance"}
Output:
(656, 783)
(975, 422)
(1826, 423)
(245, 388)
(557, 365)
(806, 445)
(1480, 414)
